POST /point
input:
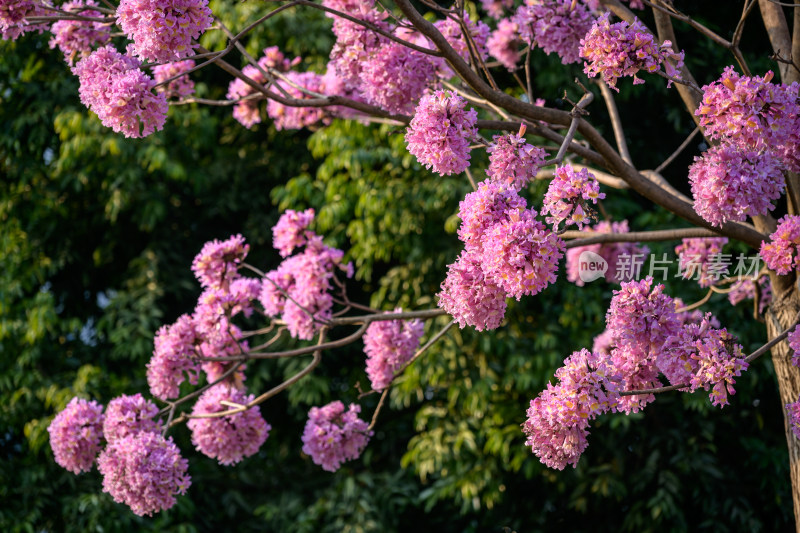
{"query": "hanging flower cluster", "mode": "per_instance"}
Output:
(77, 38)
(181, 87)
(622, 49)
(439, 135)
(119, 93)
(782, 252)
(390, 345)
(644, 337)
(568, 196)
(333, 436)
(555, 26)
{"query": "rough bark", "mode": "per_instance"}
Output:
(781, 315)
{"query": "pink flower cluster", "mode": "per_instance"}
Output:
(622, 49)
(729, 183)
(452, 31)
(514, 162)
(75, 435)
(782, 252)
(14, 15)
(299, 289)
(290, 231)
(470, 297)
(644, 336)
(555, 26)
(296, 117)
(129, 415)
(439, 135)
(507, 253)
(641, 317)
(218, 262)
(246, 110)
(144, 471)
(395, 77)
(233, 437)
(182, 87)
(113, 86)
(700, 259)
(355, 43)
(610, 252)
(703, 356)
(163, 30)
(78, 37)
(568, 195)
(174, 358)
(504, 42)
(389, 345)
(746, 289)
(757, 122)
(558, 419)
(496, 8)
(333, 436)
(751, 112)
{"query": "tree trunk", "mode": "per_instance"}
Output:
(781, 315)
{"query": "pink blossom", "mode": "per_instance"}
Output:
(163, 30)
(182, 87)
(504, 42)
(333, 436)
(700, 259)
(75, 435)
(702, 355)
(296, 117)
(622, 49)
(78, 37)
(558, 419)
(440, 132)
(554, 26)
(520, 255)
(746, 289)
(731, 184)
(610, 252)
(781, 252)
(218, 262)
(395, 77)
(14, 15)
(514, 162)
(749, 111)
(144, 471)
(453, 32)
(469, 297)
(640, 318)
(568, 196)
(128, 415)
(306, 278)
(173, 359)
(246, 109)
(496, 8)
(490, 205)
(233, 437)
(389, 345)
(355, 44)
(290, 231)
(121, 95)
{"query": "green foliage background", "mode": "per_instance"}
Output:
(97, 235)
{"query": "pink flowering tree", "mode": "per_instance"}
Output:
(456, 81)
